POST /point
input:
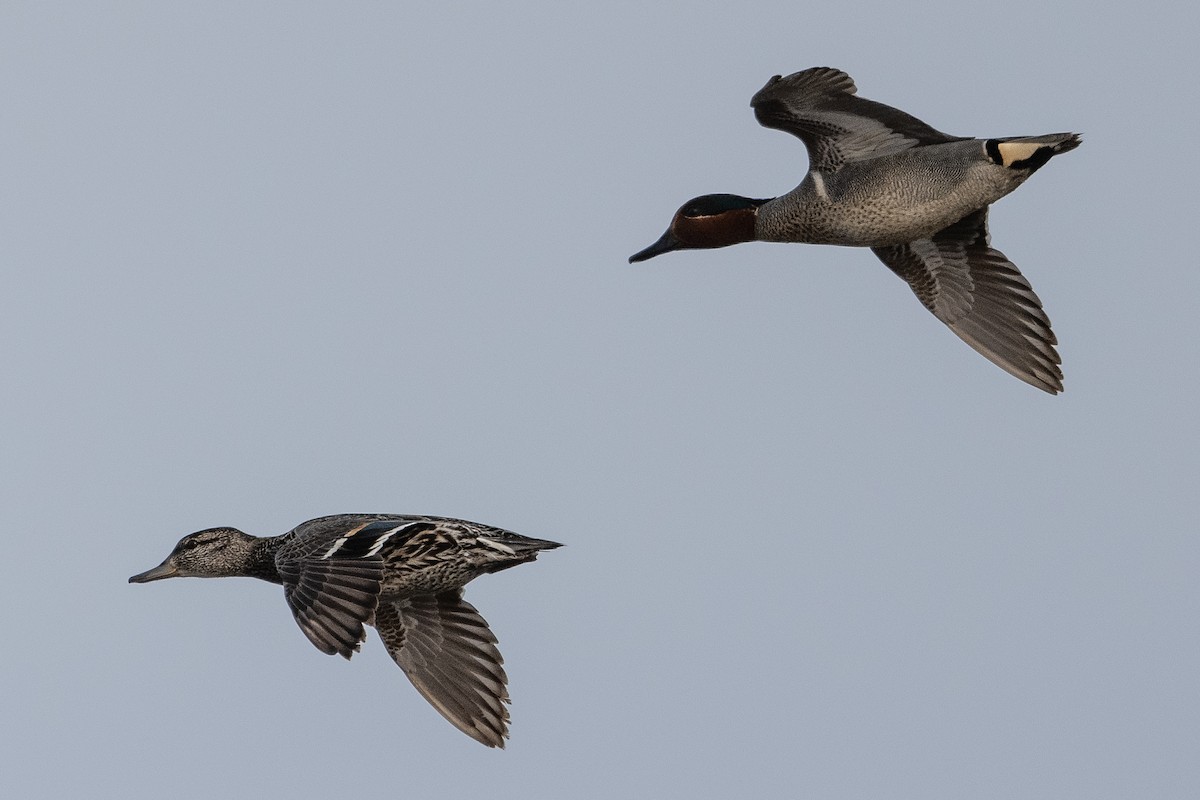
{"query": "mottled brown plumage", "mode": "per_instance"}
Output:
(401, 574)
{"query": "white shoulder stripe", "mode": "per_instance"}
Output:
(376, 546)
(819, 185)
(341, 541)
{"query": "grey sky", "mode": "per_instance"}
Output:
(271, 261)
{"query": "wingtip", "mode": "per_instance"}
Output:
(491, 739)
(1054, 387)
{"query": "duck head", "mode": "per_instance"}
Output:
(211, 553)
(712, 220)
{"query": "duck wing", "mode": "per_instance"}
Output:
(331, 600)
(331, 572)
(448, 652)
(982, 297)
(820, 106)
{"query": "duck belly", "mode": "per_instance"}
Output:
(427, 579)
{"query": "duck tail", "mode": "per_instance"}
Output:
(511, 548)
(526, 544)
(1030, 152)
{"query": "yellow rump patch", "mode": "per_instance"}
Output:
(1011, 152)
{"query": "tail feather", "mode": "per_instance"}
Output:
(513, 549)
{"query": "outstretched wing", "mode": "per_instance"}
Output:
(982, 297)
(448, 652)
(820, 106)
(331, 600)
(332, 571)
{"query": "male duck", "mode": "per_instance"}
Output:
(917, 197)
(403, 575)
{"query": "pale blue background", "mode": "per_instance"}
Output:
(264, 262)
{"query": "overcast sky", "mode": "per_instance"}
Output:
(265, 262)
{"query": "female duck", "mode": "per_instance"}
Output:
(401, 574)
(881, 178)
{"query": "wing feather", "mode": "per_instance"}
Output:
(448, 652)
(821, 107)
(981, 296)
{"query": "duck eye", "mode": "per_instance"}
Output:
(189, 544)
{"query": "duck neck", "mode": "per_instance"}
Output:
(261, 561)
(777, 219)
(731, 226)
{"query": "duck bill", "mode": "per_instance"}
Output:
(163, 570)
(666, 243)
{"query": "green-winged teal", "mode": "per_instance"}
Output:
(919, 198)
(403, 575)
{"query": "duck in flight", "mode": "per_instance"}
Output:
(919, 198)
(400, 574)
